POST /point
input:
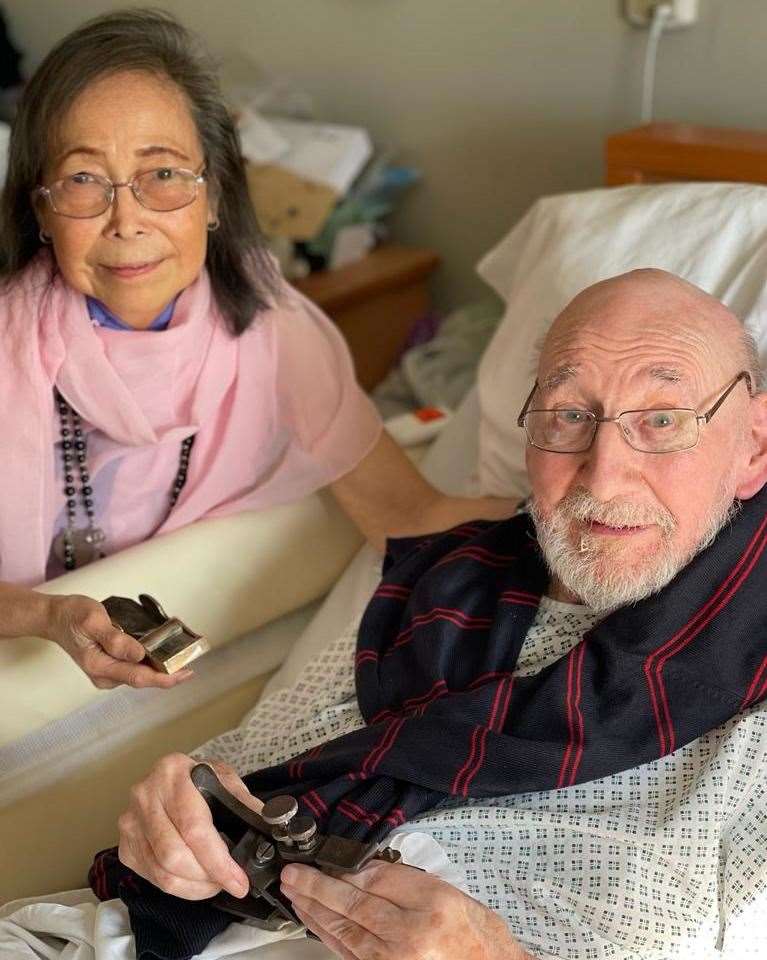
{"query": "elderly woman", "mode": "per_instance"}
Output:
(155, 368)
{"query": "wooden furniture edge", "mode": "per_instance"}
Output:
(682, 151)
(389, 267)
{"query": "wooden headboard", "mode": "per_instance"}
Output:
(661, 152)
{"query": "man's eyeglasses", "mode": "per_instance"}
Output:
(84, 195)
(648, 431)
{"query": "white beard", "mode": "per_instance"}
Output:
(595, 569)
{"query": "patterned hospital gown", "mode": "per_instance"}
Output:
(668, 860)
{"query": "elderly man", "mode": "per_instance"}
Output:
(626, 671)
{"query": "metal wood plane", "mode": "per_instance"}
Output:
(170, 645)
(275, 837)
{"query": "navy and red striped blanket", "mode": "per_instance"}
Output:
(446, 718)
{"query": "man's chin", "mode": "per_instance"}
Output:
(607, 576)
(635, 553)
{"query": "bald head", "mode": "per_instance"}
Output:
(673, 317)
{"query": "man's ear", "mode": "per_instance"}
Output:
(754, 477)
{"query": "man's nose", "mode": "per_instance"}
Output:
(126, 214)
(609, 462)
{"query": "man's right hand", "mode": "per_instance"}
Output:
(81, 626)
(167, 834)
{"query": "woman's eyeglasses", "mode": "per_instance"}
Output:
(84, 195)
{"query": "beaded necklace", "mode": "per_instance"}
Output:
(73, 546)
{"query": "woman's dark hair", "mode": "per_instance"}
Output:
(241, 273)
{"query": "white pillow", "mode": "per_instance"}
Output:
(713, 234)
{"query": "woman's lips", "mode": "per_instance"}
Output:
(130, 270)
(607, 530)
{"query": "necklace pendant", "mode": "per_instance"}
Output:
(85, 545)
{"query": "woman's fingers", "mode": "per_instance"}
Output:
(121, 646)
(81, 626)
(102, 666)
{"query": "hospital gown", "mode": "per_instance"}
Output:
(668, 860)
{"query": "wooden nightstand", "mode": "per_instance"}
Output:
(375, 303)
(659, 152)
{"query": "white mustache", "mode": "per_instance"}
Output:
(581, 505)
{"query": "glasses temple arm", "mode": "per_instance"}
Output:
(521, 417)
(744, 374)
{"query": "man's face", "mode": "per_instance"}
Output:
(616, 524)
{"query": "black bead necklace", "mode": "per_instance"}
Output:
(75, 547)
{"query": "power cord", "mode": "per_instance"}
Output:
(660, 17)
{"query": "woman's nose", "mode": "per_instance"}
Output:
(126, 214)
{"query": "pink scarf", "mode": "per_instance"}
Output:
(152, 389)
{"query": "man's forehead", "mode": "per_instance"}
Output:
(681, 335)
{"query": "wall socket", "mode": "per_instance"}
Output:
(639, 12)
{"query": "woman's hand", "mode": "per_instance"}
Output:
(393, 912)
(81, 626)
(167, 834)
(386, 496)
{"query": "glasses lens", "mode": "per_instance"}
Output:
(563, 431)
(167, 188)
(81, 195)
(660, 431)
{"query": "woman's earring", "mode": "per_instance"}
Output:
(45, 237)
(213, 225)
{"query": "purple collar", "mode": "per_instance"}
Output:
(103, 317)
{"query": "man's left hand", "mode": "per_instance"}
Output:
(394, 912)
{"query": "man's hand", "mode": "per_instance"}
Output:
(167, 834)
(393, 912)
(81, 626)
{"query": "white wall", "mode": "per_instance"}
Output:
(497, 101)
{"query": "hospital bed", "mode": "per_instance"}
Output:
(270, 589)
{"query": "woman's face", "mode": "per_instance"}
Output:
(133, 259)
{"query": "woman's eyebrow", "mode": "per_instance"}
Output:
(88, 151)
(150, 151)
(158, 149)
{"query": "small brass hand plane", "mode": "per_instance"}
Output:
(275, 837)
(170, 645)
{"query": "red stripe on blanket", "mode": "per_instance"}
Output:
(755, 692)
(570, 721)
(472, 552)
(385, 744)
(579, 726)
(456, 784)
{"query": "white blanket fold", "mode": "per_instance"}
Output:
(74, 925)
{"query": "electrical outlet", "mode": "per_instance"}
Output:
(683, 12)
